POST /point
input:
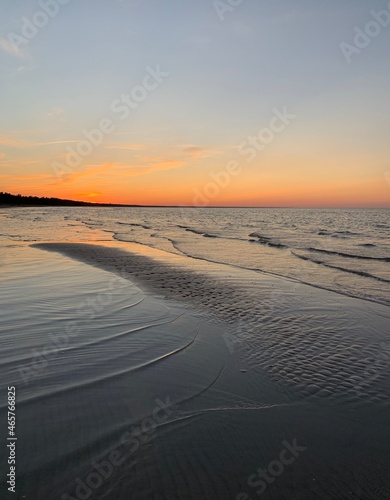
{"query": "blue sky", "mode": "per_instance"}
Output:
(226, 77)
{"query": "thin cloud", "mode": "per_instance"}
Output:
(149, 166)
(10, 49)
(195, 151)
(167, 164)
(129, 147)
(121, 170)
(55, 112)
(21, 69)
(50, 143)
(89, 171)
(31, 177)
(20, 143)
(17, 163)
(8, 141)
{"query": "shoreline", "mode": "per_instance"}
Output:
(250, 302)
(247, 366)
(275, 250)
(171, 260)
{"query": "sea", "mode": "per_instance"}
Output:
(194, 353)
(343, 250)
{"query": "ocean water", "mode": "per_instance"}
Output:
(189, 307)
(88, 354)
(347, 251)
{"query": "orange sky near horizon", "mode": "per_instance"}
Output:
(214, 188)
(195, 175)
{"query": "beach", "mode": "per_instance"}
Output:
(142, 372)
(194, 250)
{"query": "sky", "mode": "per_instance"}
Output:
(197, 102)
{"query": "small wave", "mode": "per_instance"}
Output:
(337, 234)
(264, 240)
(277, 245)
(339, 268)
(326, 233)
(347, 232)
(109, 376)
(349, 255)
(127, 238)
(99, 341)
(134, 224)
(197, 231)
(90, 222)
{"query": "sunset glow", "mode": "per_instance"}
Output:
(150, 109)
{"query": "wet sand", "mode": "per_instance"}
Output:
(175, 379)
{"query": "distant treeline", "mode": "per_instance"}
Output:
(18, 199)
